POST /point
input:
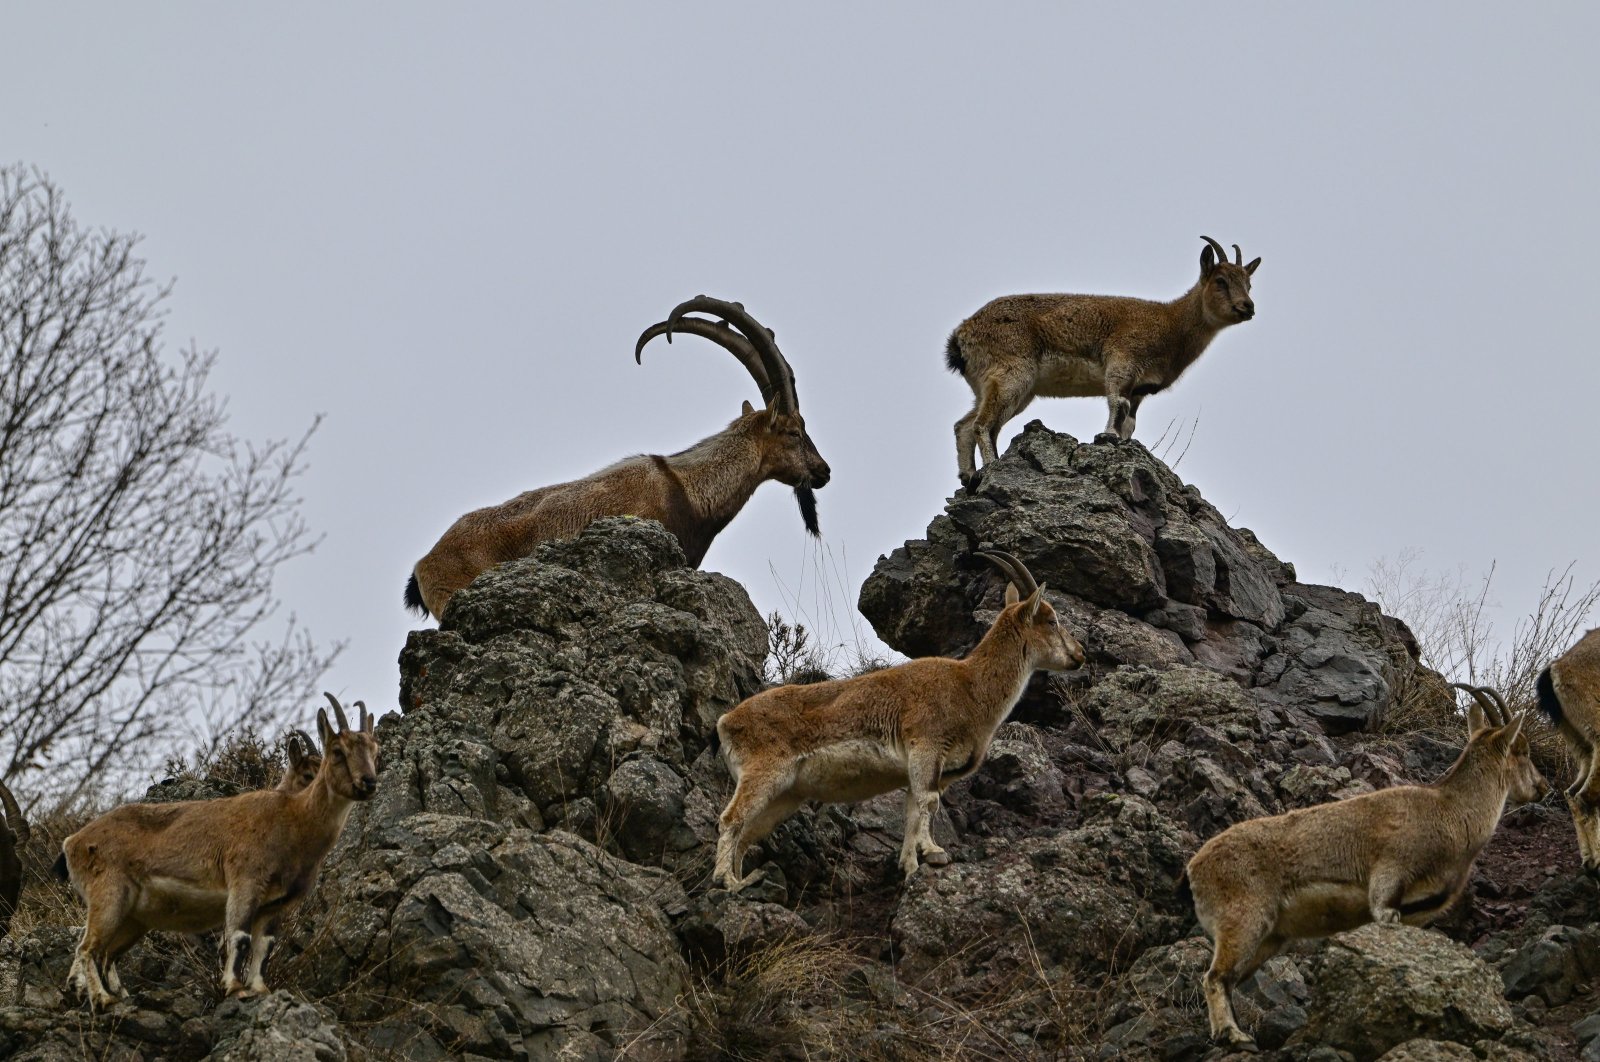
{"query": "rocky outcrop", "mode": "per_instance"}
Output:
(530, 881)
(1149, 573)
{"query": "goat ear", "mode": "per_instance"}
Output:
(1207, 261)
(297, 755)
(1509, 736)
(1012, 597)
(748, 409)
(1251, 268)
(1477, 722)
(1031, 609)
(324, 728)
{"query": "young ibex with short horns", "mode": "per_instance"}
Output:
(14, 833)
(1402, 854)
(694, 493)
(919, 726)
(240, 862)
(1569, 694)
(1019, 346)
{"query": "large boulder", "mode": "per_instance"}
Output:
(1377, 987)
(1147, 572)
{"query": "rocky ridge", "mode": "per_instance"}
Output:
(531, 880)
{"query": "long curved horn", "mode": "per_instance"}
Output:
(759, 335)
(338, 712)
(720, 333)
(1505, 712)
(1490, 709)
(1238, 256)
(1222, 256)
(1014, 570)
(19, 825)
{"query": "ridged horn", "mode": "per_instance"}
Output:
(1238, 256)
(720, 333)
(1222, 256)
(760, 337)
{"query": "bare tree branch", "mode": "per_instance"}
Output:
(138, 537)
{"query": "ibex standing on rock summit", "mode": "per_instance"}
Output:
(918, 727)
(1019, 346)
(240, 862)
(1569, 693)
(694, 493)
(1402, 854)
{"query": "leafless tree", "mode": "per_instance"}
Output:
(138, 536)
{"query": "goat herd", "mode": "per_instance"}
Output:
(1402, 854)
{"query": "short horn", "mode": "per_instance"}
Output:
(1238, 256)
(366, 716)
(14, 819)
(1014, 569)
(338, 712)
(1222, 256)
(1490, 709)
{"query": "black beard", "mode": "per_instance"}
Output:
(808, 509)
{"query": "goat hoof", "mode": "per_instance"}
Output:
(940, 858)
(1236, 1040)
(1108, 438)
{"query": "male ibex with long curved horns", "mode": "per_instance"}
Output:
(694, 493)
(1019, 346)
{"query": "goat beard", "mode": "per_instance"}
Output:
(808, 509)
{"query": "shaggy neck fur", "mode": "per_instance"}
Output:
(324, 810)
(1189, 310)
(717, 476)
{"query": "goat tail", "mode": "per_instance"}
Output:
(1549, 702)
(1185, 891)
(953, 359)
(414, 600)
(60, 867)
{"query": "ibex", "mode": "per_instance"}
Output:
(1402, 854)
(1569, 694)
(240, 862)
(694, 493)
(1019, 346)
(919, 726)
(14, 833)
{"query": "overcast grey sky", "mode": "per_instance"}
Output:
(444, 226)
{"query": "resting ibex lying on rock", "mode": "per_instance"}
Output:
(240, 862)
(919, 727)
(1569, 693)
(1019, 346)
(14, 834)
(1402, 854)
(694, 493)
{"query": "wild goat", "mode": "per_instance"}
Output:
(694, 493)
(1569, 694)
(1019, 346)
(240, 862)
(14, 833)
(919, 726)
(1402, 854)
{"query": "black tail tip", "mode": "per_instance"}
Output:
(414, 600)
(952, 356)
(1184, 891)
(1545, 689)
(60, 867)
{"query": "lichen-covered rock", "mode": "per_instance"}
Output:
(275, 1028)
(1379, 986)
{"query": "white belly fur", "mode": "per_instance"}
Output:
(849, 771)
